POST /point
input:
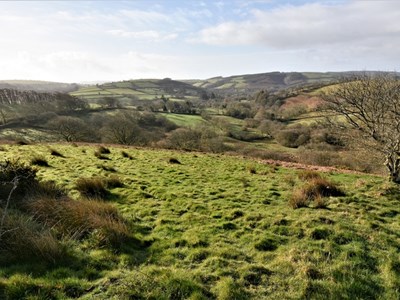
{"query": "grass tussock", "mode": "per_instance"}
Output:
(79, 219)
(23, 239)
(100, 156)
(113, 182)
(108, 168)
(103, 150)
(307, 175)
(126, 155)
(173, 160)
(56, 153)
(315, 190)
(39, 161)
(94, 187)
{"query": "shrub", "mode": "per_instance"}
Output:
(92, 187)
(293, 137)
(266, 154)
(12, 170)
(39, 161)
(183, 139)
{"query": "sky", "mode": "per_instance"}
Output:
(96, 41)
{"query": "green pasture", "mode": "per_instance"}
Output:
(217, 227)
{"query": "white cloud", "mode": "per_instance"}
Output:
(151, 35)
(311, 25)
(145, 17)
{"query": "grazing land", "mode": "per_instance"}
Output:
(205, 226)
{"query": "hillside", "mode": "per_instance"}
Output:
(38, 86)
(273, 81)
(142, 89)
(201, 227)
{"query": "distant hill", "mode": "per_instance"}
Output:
(273, 81)
(237, 85)
(38, 86)
(142, 89)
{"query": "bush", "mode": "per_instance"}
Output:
(267, 154)
(183, 139)
(92, 187)
(293, 137)
(12, 170)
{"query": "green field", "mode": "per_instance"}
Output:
(184, 120)
(216, 227)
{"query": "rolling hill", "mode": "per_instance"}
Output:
(238, 86)
(38, 86)
(142, 89)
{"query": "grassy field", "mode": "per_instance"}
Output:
(143, 89)
(216, 227)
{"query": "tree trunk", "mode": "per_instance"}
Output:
(393, 165)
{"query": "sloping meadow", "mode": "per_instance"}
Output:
(200, 226)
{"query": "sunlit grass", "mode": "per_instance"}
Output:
(216, 226)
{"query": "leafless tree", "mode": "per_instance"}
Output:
(70, 129)
(370, 105)
(122, 128)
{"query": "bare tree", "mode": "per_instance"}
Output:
(70, 129)
(122, 128)
(370, 104)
